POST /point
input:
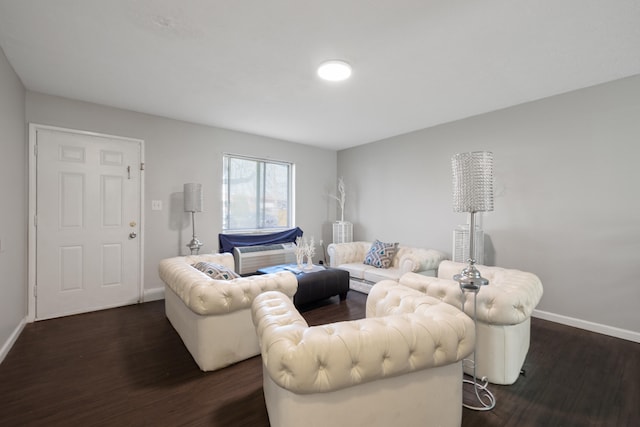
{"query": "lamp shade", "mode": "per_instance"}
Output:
(472, 181)
(193, 197)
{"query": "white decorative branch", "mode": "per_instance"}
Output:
(342, 198)
(305, 249)
(310, 249)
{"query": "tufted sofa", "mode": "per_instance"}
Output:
(213, 317)
(400, 366)
(350, 257)
(504, 310)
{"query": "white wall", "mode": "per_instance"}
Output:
(13, 208)
(567, 173)
(178, 152)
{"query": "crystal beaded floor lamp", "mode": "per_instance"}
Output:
(473, 192)
(193, 203)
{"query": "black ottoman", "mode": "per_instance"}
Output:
(315, 285)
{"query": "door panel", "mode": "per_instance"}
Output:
(88, 201)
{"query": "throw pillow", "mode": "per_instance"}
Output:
(381, 254)
(215, 271)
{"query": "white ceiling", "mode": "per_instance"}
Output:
(249, 65)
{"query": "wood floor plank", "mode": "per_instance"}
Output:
(128, 367)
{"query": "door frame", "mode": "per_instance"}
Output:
(32, 229)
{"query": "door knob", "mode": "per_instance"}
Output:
(132, 235)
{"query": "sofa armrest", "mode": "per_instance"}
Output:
(417, 259)
(347, 253)
(204, 295)
(509, 299)
(445, 290)
(334, 356)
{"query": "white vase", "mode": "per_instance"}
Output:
(300, 260)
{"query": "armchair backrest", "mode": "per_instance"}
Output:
(508, 299)
(407, 331)
(204, 295)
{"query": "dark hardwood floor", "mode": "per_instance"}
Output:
(128, 367)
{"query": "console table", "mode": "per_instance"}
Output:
(316, 284)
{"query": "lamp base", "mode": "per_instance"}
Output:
(470, 280)
(486, 401)
(194, 245)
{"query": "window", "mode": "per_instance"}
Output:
(256, 194)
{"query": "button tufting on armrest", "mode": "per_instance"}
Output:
(508, 299)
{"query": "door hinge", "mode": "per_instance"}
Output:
(141, 166)
(35, 291)
(35, 150)
(35, 221)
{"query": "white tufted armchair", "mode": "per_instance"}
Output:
(213, 317)
(504, 314)
(401, 366)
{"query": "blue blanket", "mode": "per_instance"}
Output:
(228, 241)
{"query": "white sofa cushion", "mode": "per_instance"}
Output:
(350, 257)
(356, 269)
(375, 275)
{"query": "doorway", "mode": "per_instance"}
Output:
(86, 202)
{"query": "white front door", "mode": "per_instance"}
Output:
(88, 204)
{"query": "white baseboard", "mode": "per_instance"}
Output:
(589, 326)
(12, 339)
(153, 294)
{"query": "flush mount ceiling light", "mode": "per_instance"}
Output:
(334, 70)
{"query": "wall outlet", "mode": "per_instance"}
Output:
(156, 205)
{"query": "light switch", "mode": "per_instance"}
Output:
(156, 205)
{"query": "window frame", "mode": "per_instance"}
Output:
(226, 190)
